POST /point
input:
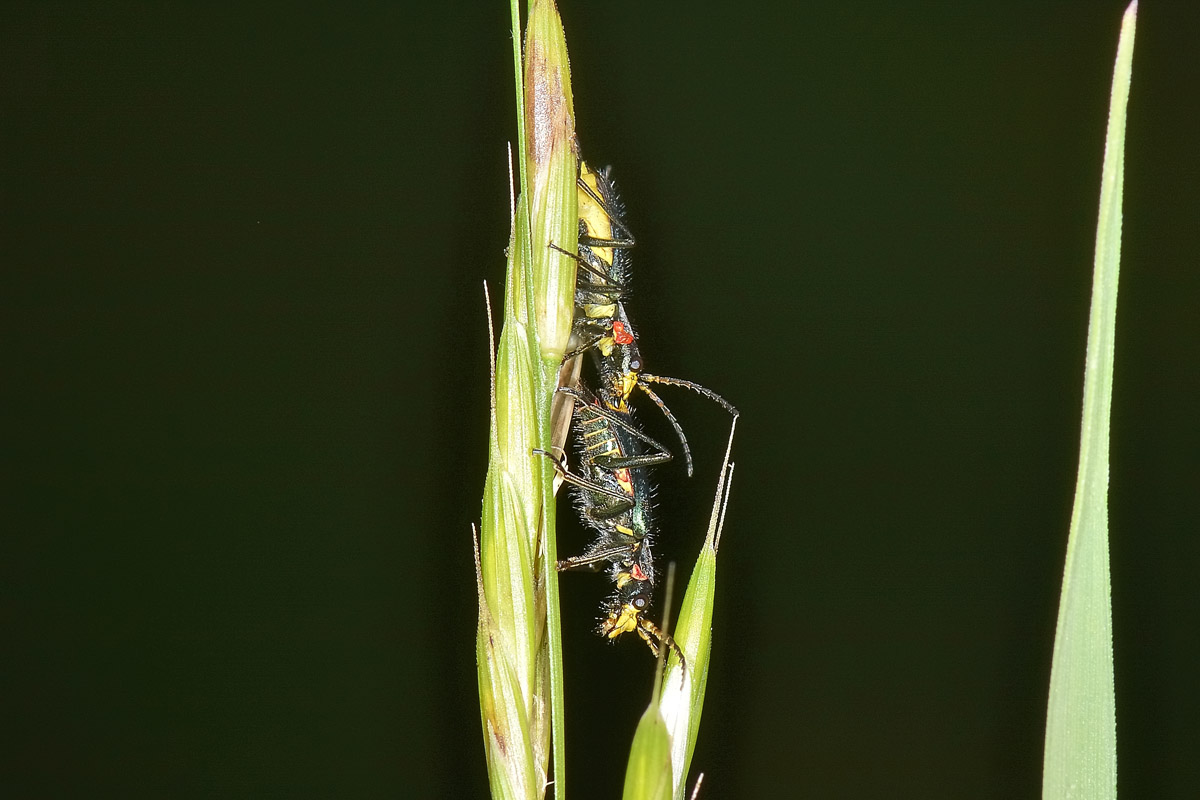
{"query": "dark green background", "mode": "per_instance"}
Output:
(245, 382)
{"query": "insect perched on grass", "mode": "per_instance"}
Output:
(612, 492)
(612, 489)
(602, 325)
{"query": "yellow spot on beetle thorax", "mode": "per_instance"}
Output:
(598, 223)
(600, 310)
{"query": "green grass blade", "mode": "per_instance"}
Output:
(648, 775)
(1080, 759)
(517, 642)
(681, 700)
(552, 167)
(514, 7)
(510, 644)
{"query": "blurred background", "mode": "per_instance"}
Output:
(245, 387)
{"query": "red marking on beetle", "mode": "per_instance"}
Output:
(621, 334)
(638, 574)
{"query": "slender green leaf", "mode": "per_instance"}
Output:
(648, 776)
(682, 692)
(1080, 758)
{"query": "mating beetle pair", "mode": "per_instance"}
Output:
(612, 489)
